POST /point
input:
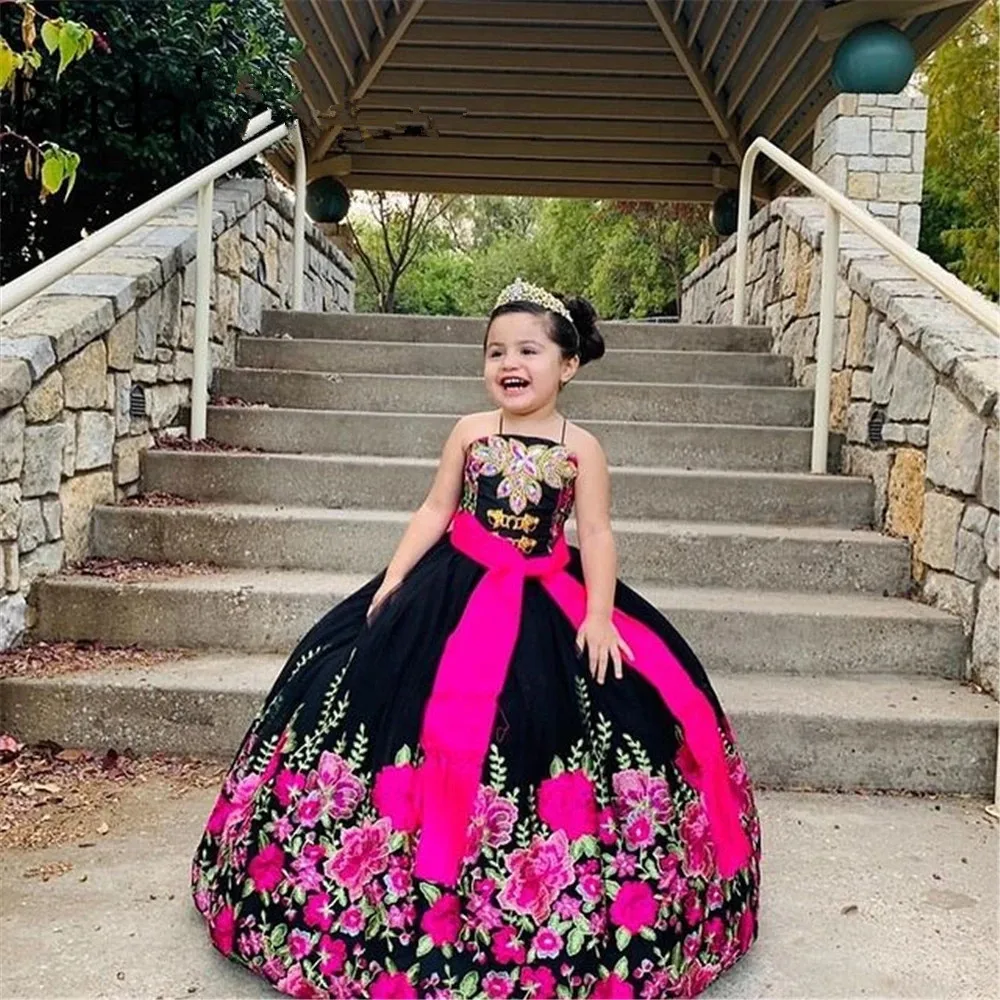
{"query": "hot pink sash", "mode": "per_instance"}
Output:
(459, 717)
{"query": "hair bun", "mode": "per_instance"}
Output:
(585, 320)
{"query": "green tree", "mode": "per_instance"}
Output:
(961, 223)
(173, 93)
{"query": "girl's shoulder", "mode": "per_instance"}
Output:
(583, 444)
(473, 426)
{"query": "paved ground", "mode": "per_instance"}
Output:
(919, 875)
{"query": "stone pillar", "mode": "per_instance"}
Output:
(871, 147)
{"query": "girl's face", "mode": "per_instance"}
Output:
(524, 366)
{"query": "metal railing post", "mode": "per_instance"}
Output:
(824, 342)
(299, 219)
(203, 287)
(743, 238)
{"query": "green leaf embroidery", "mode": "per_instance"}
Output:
(622, 938)
(574, 941)
(469, 986)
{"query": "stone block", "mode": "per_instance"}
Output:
(913, 384)
(986, 638)
(898, 186)
(919, 151)
(84, 377)
(975, 518)
(909, 223)
(250, 305)
(989, 489)
(145, 272)
(79, 496)
(871, 164)
(861, 384)
(13, 619)
(31, 529)
(123, 401)
(45, 401)
(885, 362)
(858, 417)
(978, 380)
(955, 446)
(970, 556)
(121, 290)
(951, 594)
(52, 516)
(128, 453)
(95, 437)
(162, 402)
(874, 465)
(905, 494)
(229, 253)
(892, 143)
(15, 382)
(43, 561)
(159, 321)
(916, 434)
(852, 135)
(121, 343)
(10, 511)
(991, 542)
(840, 394)
(11, 444)
(939, 533)
(11, 568)
(857, 323)
(70, 321)
(227, 304)
(42, 471)
(863, 185)
(37, 351)
(909, 120)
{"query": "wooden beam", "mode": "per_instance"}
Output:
(334, 41)
(333, 166)
(835, 22)
(678, 10)
(552, 170)
(498, 126)
(377, 17)
(507, 105)
(418, 147)
(542, 83)
(720, 29)
(788, 11)
(400, 26)
(359, 36)
(631, 64)
(329, 137)
(702, 194)
(698, 80)
(736, 51)
(696, 20)
(570, 38)
(294, 14)
(535, 13)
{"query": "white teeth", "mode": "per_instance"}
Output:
(513, 383)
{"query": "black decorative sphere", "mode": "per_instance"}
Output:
(724, 214)
(874, 58)
(327, 200)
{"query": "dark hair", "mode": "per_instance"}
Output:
(580, 339)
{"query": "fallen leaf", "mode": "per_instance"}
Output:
(103, 829)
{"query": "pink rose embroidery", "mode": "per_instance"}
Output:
(695, 834)
(396, 795)
(497, 985)
(295, 984)
(223, 929)
(299, 945)
(638, 832)
(289, 786)
(634, 907)
(639, 791)
(506, 948)
(538, 983)
(606, 829)
(343, 790)
(745, 931)
(537, 875)
(392, 986)
(267, 868)
(332, 955)
(443, 920)
(318, 911)
(567, 803)
(613, 988)
(352, 921)
(364, 854)
(492, 823)
(547, 943)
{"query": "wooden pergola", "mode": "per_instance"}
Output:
(632, 99)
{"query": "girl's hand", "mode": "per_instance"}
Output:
(388, 586)
(601, 639)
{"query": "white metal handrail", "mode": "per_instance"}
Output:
(203, 182)
(837, 205)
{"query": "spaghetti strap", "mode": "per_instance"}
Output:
(562, 437)
(500, 428)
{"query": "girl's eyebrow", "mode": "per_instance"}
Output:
(519, 343)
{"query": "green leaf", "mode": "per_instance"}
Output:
(50, 35)
(403, 756)
(622, 938)
(621, 969)
(557, 767)
(648, 933)
(6, 63)
(53, 171)
(424, 946)
(278, 935)
(574, 941)
(67, 47)
(469, 986)
(430, 892)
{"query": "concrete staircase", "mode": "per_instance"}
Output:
(833, 679)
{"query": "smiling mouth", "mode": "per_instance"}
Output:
(512, 384)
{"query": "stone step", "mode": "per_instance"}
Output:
(592, 400)
(422, 435)
(472, 329)
(734, 630)
(911, 734)
(393, 358)
(377, 482)
(358, 541)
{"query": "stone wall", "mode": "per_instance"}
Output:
(92, 369)
(914, 392)
(871, 148)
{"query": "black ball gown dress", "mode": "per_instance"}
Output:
(441, 801)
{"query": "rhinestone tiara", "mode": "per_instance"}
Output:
(523, 291)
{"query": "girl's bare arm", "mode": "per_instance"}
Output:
(593, 522)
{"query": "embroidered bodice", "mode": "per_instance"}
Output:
(520, 488)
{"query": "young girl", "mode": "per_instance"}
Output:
(494, 771)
